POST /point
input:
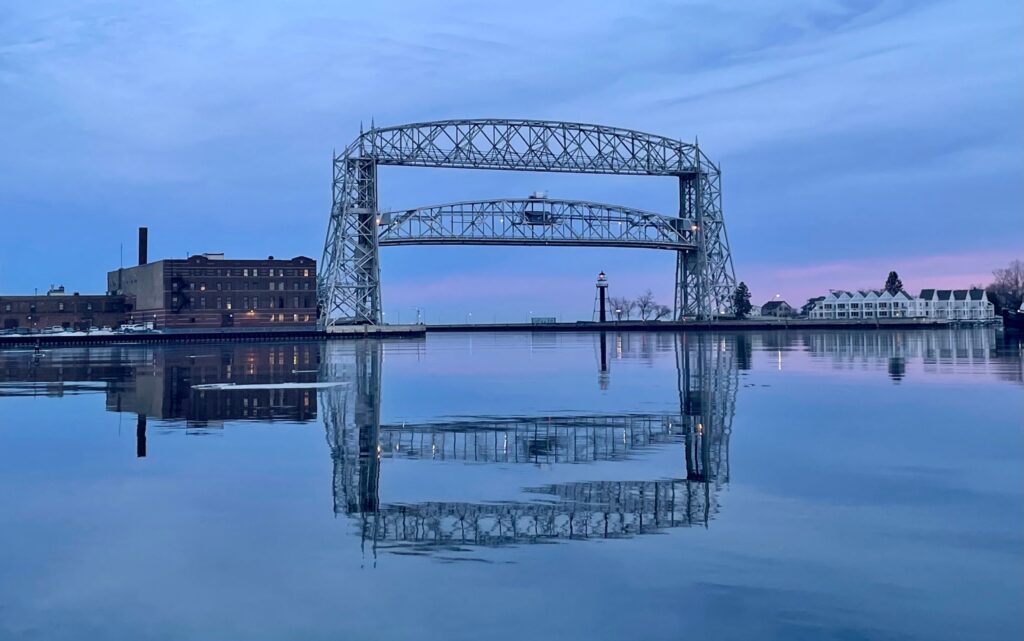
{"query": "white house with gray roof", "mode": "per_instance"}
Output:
(870, 303)
(957, 304)
(951, 304)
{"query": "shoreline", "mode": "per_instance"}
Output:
(420, 331)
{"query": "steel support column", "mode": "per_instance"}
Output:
(349, 288)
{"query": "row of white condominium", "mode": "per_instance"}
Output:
(950, 304)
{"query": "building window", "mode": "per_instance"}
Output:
(271, 285)
(280, 286)
(229, 302)
(305, 273)
(60, 307)
(202, 302)
(218, 303)
(202, 287)
(218, 286)
(306, 285)
(255, 302)
(295, 301)
(305, 301)
(245, 272)
(295, 318)
(245, 302)
(7, 307)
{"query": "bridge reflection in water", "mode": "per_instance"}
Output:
(358, 441)
(280, 382)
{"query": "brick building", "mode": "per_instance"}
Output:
(58, 309)
(208, 291)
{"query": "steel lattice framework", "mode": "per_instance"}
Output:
(349, 287)
(535, 221)
(707, 380)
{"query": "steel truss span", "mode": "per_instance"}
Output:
(349, 287)
(535, 221)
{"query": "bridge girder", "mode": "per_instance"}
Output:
(535, 221)
(349, 290)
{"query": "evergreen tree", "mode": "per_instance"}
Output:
(741, 300)
(893, 284)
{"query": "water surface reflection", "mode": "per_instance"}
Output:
(203, 388)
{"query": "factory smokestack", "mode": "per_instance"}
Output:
(143, 245)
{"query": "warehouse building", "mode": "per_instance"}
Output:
(58, 309)
(209, 291)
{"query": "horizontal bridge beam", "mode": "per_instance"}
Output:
(535, 221)
(529, 145)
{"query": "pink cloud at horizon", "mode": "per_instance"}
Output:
(503, 292)
(940, 271)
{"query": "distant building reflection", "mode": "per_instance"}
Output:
(972, 345)
(935, 351)
(260, 383)
(707, 382)
(159, 383)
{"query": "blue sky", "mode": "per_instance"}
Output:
(854, 137)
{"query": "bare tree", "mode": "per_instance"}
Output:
(621, 307)
(645, 305)
(1008, 285)
(661, 311)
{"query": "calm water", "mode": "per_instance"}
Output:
(801, 485)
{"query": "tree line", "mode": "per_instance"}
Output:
(644, 307)
(1006, 291)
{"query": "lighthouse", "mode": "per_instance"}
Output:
(602, 298)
